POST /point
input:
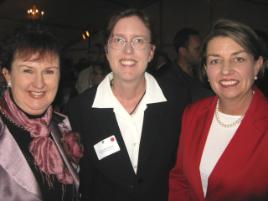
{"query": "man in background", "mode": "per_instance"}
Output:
(184, 71)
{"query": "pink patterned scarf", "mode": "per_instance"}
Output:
(42, 147)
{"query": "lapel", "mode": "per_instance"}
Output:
(199, 134)
(56, 136)
(120, 161)
(242, 146)
(15, 164)
(103, 124)
(149, 130)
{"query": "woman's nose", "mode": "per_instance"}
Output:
(226, 67)
(39, 81)
(128, 48)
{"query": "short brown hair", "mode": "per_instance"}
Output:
(245, 36)
(28, 40)
(128, 13)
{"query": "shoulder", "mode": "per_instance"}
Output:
(259, 106)
(78, 108)
(2, 127)
(256, 114)
(173, 73)
(201, 106)
(173, 81)
(77, 105)
(87, 97)
(261, 98)
(174, 91)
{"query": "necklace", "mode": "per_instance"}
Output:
(225, 125)
(134, 109)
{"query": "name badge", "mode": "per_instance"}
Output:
(106, 147)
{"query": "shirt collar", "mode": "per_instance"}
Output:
(105, 98)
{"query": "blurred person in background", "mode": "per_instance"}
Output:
(184, 71)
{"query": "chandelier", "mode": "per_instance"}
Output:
(34, 13)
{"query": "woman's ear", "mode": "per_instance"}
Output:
(151, 54)
(105, 49)
(6, 74)
(258, 65)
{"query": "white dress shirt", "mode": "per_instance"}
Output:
(130, 125)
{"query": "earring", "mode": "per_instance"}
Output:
(255, 78)
(9, 84)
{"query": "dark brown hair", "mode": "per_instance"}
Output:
(128, 13)
(182, 37)
(240, 33)
(28, 41)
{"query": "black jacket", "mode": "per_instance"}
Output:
(113, 178)
(177, 78)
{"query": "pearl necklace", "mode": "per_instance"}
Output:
(225, 125)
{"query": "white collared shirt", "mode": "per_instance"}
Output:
(130, 125)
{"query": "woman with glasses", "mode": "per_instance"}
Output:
(129, 123)
(223, 148)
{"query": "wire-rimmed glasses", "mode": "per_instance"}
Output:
(137, 43)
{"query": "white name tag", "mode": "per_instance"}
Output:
(106, 147)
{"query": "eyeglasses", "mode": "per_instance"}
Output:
(118, 43)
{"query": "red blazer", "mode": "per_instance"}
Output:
(241, 173)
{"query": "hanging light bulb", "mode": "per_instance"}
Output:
(85, 35)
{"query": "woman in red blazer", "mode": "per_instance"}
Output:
(223, 151)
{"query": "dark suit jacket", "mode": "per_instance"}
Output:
(176, 77)
(113, 178)
(241, 172)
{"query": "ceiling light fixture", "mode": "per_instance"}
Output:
(85, 35)
(34, 13)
